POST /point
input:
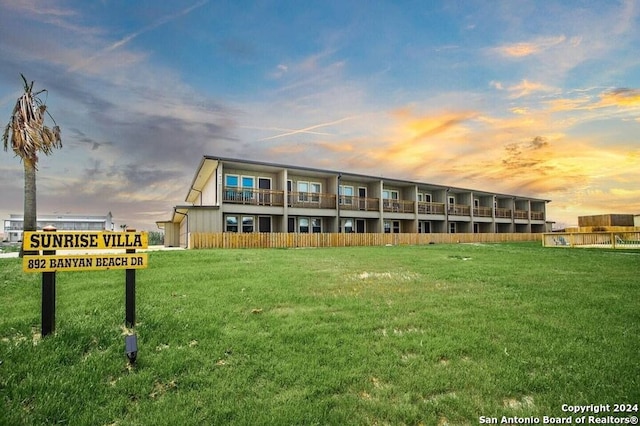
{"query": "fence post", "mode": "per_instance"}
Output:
(130, 292)
(48, 321)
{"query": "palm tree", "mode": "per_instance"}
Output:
(28, 136)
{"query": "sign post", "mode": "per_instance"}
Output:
(48, 320)
(130, 292)
(50, 242)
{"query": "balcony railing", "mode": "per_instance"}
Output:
(258, 197)
(425, 207)
(397, 206)
(359, 203)
(315, 200)
(521, 214)
(482, 212)
(265, 197)
(459, 210)
(503, 213)
(537, 215)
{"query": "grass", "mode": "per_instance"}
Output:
(432, 335)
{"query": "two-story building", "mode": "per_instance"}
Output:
(234, 195)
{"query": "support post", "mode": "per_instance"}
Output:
(130, 293)
(48, 322)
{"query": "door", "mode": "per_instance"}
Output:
(360, 226)
(264, 185)
(362, 197)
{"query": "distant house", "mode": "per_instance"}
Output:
(64, 222)
(234, 195)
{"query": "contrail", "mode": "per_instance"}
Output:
(308, 129)
(132, 36)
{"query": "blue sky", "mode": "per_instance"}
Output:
(538, 98)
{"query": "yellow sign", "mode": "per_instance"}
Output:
(93, 262)
(84, 240)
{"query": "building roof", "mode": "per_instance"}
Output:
(209, 164)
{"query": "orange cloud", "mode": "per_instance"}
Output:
(340, 146)
(525, 88)
(519, 50)
(622, 97)
(417, 136)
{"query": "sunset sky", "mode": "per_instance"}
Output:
(535, 98)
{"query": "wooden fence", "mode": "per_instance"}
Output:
(616, 240)
(291, 240)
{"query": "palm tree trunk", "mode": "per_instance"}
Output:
(30, 214)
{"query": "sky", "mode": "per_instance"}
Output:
(532, 98)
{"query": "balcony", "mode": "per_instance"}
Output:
(430, 208)
(359, 203)
(521, 214)
(397, 206)
(537, 215)
(459, 210)
(251, 196)
(482, 212)
(503, 213)
(314, 200)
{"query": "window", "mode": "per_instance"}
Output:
(303, 225)
(315, 189)
(347, 194)
(348, 226)
(391, 226)
(387, 195)
(390, 194)
(231, 182)
(247, 186)
(452, 227)
(231, 224)
(424, 227)
(303, 191)
(316, 225)
(247, 223)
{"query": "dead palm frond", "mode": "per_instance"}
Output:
(26, 128)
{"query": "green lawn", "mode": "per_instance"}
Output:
(433, 335)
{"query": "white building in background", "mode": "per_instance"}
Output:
(63, 222)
